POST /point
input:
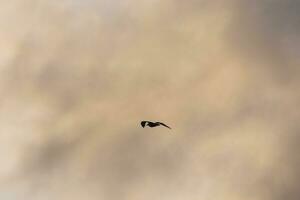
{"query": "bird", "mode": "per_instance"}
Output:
(153, 124)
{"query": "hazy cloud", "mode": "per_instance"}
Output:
(76, 78)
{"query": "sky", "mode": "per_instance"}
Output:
(77, 77)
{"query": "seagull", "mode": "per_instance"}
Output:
(153, 124)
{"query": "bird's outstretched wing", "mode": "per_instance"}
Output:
(164, 125)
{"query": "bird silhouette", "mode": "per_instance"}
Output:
(153, 124)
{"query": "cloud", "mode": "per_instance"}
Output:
(77, 78)
(264, 32)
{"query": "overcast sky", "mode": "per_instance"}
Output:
(77, 77)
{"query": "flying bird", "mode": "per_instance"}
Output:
(153, 124)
